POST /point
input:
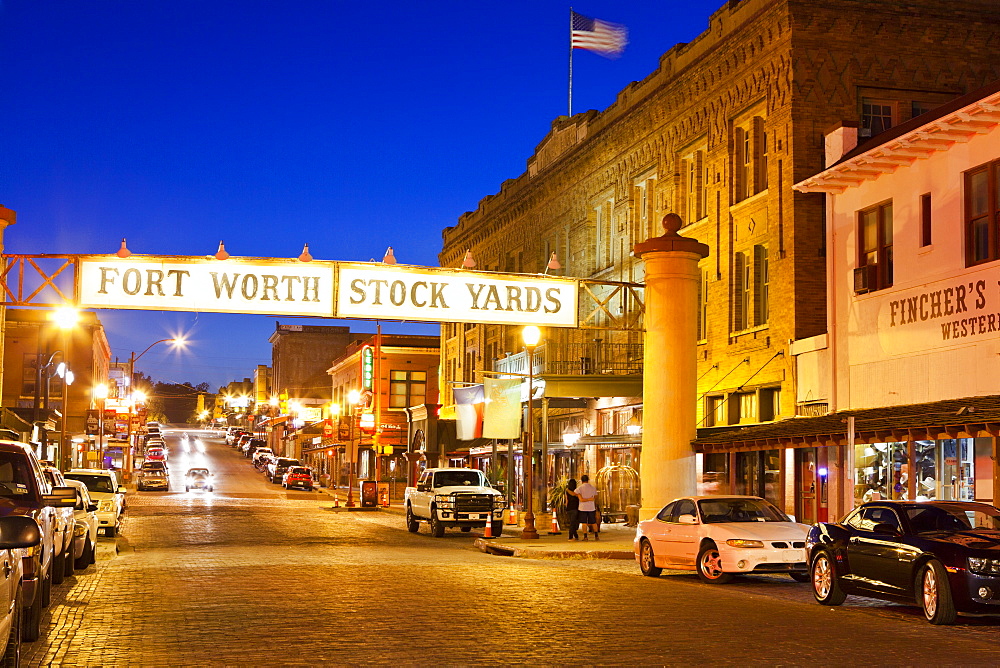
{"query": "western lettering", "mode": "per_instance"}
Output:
(948, 308)
(437, 295)
(513, 297)
(129, 278)
(179, 274)
(893, 307)
(107, 279)
(357, 288)
(911, 309)
(310, 285)
(154, 277)
(960, 299)
(249, 287)
(270, 286)
(936, 304)
(980, 294)
(224, 283)
(923, 307)
(289, 280)
(552, 295)
(413, 294)
(397, 293)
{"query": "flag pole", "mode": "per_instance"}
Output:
(570, 62)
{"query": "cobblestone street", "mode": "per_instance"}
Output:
(251, 575)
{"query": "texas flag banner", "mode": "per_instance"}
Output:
(602, 37)
(502, 418)
(469, 412)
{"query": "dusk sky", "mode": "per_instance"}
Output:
(266, 124)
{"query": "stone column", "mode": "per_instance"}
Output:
(669, 386)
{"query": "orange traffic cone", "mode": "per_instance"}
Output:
(488, 533)
(511, 515)
(555, 525)
(336, 500)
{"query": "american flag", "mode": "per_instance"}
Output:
(607, 39)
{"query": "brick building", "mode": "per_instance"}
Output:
(719, 133)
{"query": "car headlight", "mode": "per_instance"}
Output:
(80, 530)
(739, 542)
(984, 566)
(106, 506)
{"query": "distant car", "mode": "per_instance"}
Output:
(298, 476)
(244, 445)
(87, 525)
(197, 471)
(152, 479)
(153, 465)
(156, 455)
(262, 451)
(942, 555)
(277, 468)
(233, 434)
(107, 491)
(721, 536)
(198, 481)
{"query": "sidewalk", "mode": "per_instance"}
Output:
(615, 542)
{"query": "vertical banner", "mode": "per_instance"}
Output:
(502, 413)
(469, 411)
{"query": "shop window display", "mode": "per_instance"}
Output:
(943, 470)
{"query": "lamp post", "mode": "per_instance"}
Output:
(100, 397)
(335, 421)
(530, 335)
(65, 318)
(133, 358)
(353, 399)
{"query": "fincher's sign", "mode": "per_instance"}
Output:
(326, 289)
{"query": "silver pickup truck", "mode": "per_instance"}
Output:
(455, 497)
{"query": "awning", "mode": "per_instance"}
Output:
(971, 417)
(270, 422)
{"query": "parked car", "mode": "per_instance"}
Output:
(262, 451)
(942, 555)
(19, 537)
(720, 536)
(233, 435)
(154, 466)
(298, 476)
(152, 479)
(277, 468)
(87, 525)
(25, 493)
(243, 445)
(156, 455)
(109, 494)
(63, 558)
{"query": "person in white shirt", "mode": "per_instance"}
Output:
(587, 494)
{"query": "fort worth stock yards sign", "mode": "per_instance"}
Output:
(325, 289)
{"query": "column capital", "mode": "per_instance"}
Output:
(670, 240)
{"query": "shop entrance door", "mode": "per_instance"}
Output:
(806, 486)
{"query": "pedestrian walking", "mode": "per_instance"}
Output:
(572, 509)
(588, 506)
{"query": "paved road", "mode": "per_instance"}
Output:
(251, 575)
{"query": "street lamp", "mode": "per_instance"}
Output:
(133, 358)
(65, 318)
(100, 395)
(353, 399)
(530, 335)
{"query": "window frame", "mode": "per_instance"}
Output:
(883, 244)
(991, 216)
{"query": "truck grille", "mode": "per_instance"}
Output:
(473, 503)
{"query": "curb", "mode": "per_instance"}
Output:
(490, 546)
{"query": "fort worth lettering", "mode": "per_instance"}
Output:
(175, 283)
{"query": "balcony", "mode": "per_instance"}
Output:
(581, 369)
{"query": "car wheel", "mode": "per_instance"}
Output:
(497, 528)
(412, 525)
(85, 558)
(826, 587)
(58, 567)
(110, 531)
(187, 488)
(710, 566)
(800, 577)
(47, 590)
(647, 564)
(12, 654)
(934, 594)
(210, 488)
(68, 562)
(437, 528)
(31, 620)
(466, 529)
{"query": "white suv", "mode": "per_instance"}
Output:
(107, 491)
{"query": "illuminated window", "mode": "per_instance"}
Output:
(875, 245)
(407, 388)
(982, 213)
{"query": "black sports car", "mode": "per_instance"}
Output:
(942, 555)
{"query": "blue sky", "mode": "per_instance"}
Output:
(352, 126)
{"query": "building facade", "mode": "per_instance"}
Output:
(719, 133)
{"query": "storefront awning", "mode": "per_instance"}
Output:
(971, 417)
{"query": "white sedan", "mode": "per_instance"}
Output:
(719, 536)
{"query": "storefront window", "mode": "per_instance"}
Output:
(758, 474)
(942, 470)
(715, 475)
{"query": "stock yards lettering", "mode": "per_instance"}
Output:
(172, 282)
(430, 294)
(948, 303)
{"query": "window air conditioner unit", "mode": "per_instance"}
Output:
(865, 278)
